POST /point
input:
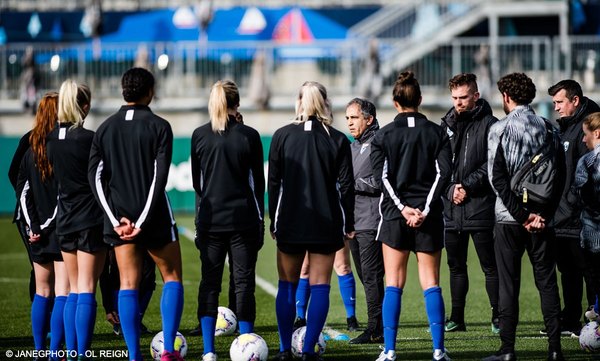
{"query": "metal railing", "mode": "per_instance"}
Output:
(188, 69)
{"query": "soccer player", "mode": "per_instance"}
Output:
(469, 199)
(311, 205)
(412, 165)
(37, 191)
(512, 141)
(129, 166)
(572, 107)
(78, 218)
(228, 177)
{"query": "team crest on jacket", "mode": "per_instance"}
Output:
(449, 132)
(363, 148)
(566, 145)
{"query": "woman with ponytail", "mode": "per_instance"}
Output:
(79, 218)
(228, 177)
(311, 205)
(129, 167)
(36, 191)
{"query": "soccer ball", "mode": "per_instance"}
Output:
(226, 322)
(157, 346)
(298, 342)
(589, 338)
(249, 347)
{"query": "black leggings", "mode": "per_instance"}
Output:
(243, 246)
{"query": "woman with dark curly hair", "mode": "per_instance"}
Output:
(129, 167)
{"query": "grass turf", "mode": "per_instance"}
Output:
(413, 342)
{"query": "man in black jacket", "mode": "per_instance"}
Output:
(366, 251)
(469, 200)
(572, 107)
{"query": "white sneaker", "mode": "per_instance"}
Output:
(211, 356)
(389, 356)
(441, 355)
(591, 315)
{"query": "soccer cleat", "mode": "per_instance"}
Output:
(311, 357)
(441, 355)
(299, 322)
(196, 331)
(499, 356)
(555, 356)
(496, 326)
(452, 326)
(367, 337)
(174, 356)
(284, 356)
(352, 324)
(387, 356)
(211, 356)
(117, 329)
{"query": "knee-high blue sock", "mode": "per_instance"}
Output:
(317, 314)
(57, 326)
(69, 319)
(85, 318)
(171, 307)
(129, 313)
(302, 296)
(392, 304)
(246, 327)
(208, 333)
(434, 306)
(285, 311)
(348, 293)
(40, 308)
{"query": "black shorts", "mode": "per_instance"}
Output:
(88, 240)
(429, 237)
(148, 239)
(302, 248)
(46, 249)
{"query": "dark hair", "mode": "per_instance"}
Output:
(518, 86)
(571, 87)
(136, 84)
(469, 79)
(407, 91)
(366, 107)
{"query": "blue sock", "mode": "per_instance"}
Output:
(596, 306)
(246, 327)
(302, 296)
(171, 307)
(392, 304)
(85, 318)
(434, 306)
(348, 293)
(285, 311)
(69, 318)
(57, 325)
(317, 314)
(129, 313)
(208, 324)
(40, 308)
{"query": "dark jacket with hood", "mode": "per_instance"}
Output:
(468, 132)
(566, 219)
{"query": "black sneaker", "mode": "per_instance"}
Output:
(366, 338)
(300, 322)
(352, 324)
(196, 331)
(117, 329)
(284, 356)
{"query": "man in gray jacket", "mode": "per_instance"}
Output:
(366, 251)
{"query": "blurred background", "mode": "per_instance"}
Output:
(269, 47)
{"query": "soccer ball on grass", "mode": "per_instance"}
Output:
(249, 347)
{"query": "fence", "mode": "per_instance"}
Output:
(188, 69)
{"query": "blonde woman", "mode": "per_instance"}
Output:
(228, 177)
(311, 205)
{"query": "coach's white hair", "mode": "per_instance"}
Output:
(312, 101)
(224, 95)
(72, 99)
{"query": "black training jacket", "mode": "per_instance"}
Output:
(412, 165)
(311, 184)
(566, 219)
(69, 153)
(228, 176)
(468, 133)
(128, 170)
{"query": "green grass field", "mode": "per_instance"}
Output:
(413, 340)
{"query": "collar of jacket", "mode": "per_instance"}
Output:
(369, 132)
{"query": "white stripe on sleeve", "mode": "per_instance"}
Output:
(432, 190)
(23, 200)
(102, 197)
(389, 188)
(146, 209)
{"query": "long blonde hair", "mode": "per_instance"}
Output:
(224, 95)
(72, 99)
(312, 101)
